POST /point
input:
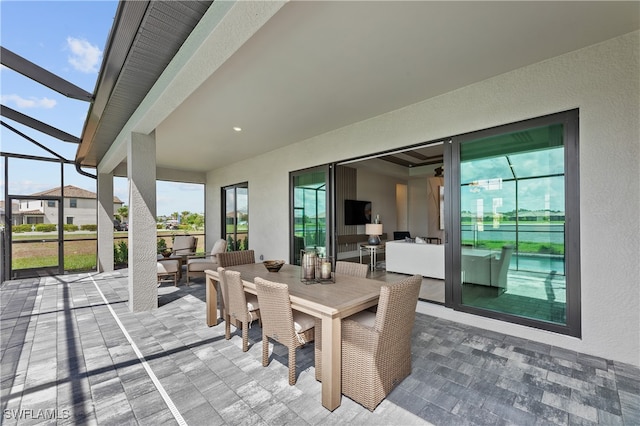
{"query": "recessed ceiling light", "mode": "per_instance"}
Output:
(237, 129)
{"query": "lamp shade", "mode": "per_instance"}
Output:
(373, 228)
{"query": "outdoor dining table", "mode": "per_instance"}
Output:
(330, 302)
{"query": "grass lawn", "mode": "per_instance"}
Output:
(80, 249)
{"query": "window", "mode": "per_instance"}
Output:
(516, 232)
(69, 220)
(73, 203)
(51, 203)
(309, 211)
(235, 214)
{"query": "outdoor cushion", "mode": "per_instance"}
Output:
(183, 244)
(219, 247)
(199, 265)
(303, 322)
(366, 318)
(167, 266)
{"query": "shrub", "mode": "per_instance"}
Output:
(70, 228)
(162, 244)
(45, 227)
(89, 227)
(120, 253)
(21, 228)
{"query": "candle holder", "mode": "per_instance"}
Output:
(308, 261)
(327, 270)
(315, 268)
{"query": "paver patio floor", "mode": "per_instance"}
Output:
(73, 353)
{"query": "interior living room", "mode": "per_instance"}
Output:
(401, 191)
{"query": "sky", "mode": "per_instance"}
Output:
(66, 38)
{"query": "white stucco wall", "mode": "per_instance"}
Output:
(602, 81)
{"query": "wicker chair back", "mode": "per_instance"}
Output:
(232, 258)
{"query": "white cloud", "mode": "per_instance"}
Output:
(32, 102)
(85, 57)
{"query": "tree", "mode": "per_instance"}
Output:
(123, 213)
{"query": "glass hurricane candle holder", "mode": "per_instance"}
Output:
(326, 268)
(308, 261)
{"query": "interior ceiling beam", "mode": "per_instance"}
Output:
(416, 154)
(21, 118)
(402, 162)
(42, 76)
(396, 160)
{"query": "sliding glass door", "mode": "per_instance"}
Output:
(235, 206)
(310, 212)
(515, 244)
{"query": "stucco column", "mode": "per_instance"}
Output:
(141, 170)
(105, 222)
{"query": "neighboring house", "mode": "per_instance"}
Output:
(15, 206)
(79, 207)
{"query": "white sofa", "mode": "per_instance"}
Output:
(485, 267)
(415, 258)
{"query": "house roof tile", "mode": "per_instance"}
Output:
(71, 191)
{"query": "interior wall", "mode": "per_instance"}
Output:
(601, 80)
(433, 205)
(418, 207)
(402, 207)
(381, 191)
(346, 189)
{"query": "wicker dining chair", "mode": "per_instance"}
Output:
(282, 324)
(376, 348)
(240, 307)
(352, 269)
(342, 268)
(232, 258)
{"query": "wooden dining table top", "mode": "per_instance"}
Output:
(345, 296)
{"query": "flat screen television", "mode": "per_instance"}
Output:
(357, 212)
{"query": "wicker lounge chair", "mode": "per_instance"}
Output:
(197, 265)
(232, 258)
(240, 307)
(279, 322)
(376, 348)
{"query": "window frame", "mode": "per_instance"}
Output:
(328, 171)
(570, 121)
(223, 213)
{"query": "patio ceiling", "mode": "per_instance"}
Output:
(317, 66)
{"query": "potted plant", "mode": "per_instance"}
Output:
(162, 248)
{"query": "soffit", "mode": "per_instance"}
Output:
(145, 37)
(318, 66)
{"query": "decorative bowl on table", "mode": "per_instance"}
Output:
(166, 252)
(273, 265)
